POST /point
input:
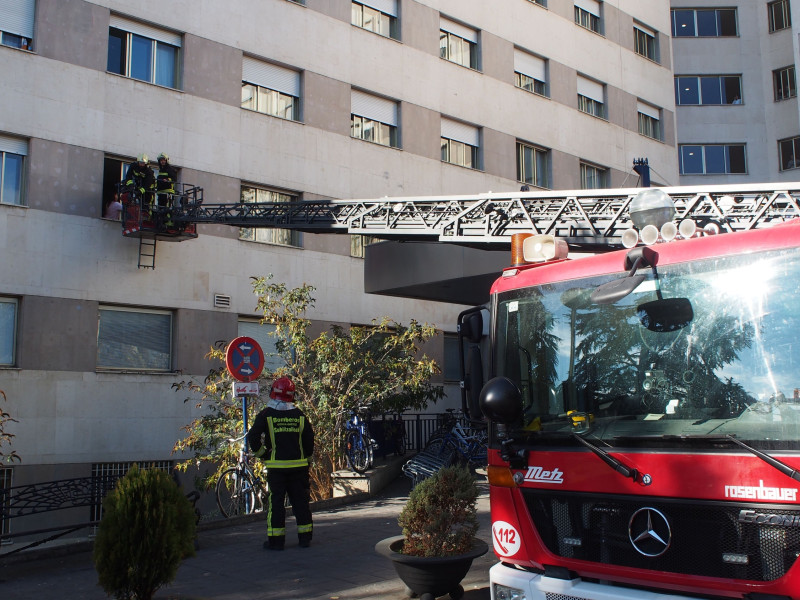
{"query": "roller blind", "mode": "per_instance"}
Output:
(388, 7)
(589, 6)
(148, 31)
(648, 109)
(373, 107)
(271, 76)
(647, 30)
(17, 16)
(460, 132)
(529, 65)
(458, 29)
(13, 145)
(591, 89)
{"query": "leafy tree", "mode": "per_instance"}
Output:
(5, 437)
(380, 366)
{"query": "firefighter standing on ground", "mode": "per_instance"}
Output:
(287, 446)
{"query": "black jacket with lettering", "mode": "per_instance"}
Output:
(281, 436)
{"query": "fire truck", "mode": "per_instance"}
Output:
(641, 355)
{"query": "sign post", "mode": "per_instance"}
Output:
(245, 361)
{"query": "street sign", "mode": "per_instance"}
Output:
(244, 359)
(242, 388)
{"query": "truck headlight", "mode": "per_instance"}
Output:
(504, 592)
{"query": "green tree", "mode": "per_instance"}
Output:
(148, 527)
(5, 437)
(380, 366)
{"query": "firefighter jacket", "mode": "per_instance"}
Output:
(288, 438)
(140, 176)
(167, 175)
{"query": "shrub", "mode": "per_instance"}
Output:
(147, 528)
(440, 516)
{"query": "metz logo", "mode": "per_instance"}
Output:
(542, 476)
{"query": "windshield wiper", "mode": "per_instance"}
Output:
(614, 463)
(773, 462)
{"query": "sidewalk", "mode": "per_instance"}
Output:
(230, 564)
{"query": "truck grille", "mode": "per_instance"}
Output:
(596, 528)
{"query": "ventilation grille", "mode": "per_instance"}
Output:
(702, 532)
(222, 301)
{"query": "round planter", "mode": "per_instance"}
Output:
(434, 575)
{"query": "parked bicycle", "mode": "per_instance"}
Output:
(359, 447)
(239, 490)
(458, 438)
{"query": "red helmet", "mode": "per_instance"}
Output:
(282, 389)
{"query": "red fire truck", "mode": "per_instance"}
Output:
(644, 412)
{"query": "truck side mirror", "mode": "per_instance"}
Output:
(501, 400)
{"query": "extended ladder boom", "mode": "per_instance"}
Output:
(585, 219)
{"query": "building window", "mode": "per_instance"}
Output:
(789, 153)
(378, 16)
(458, 43)
(373, 119)
(784, 83)
(16, 23)
(264, 334)
(143, 52)
(649, 120)
(134, 339)
(530, 72)
(645, 42)
(593, 177)
(539, 2)
(8, 331)
(591, 97)
(533, 165)
(460, 144)
(587, 14)
(268, 235)
(712, 159)
(270, 89)
(779, 14)
(706, 22)
(708, 89)
(359, 243)
(12, 162)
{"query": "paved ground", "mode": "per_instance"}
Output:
(341, 563)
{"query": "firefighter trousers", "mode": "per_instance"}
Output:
(293, 482)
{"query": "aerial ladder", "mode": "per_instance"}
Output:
(587, 220)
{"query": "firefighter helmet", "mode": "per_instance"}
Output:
(163, 155)
(282, 389)
(142, 158)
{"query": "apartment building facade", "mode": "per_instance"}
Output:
(270, 100)
(735, 90)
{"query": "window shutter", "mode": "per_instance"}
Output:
(529, 65)
(148, 31)
(373, 107)
(17, 16)
(388, 7)
(13, 145)
(591, 89)
(460, 132)
(647, 30)
(591, 6)
(648, 109)
(458, 29)
(271, 76)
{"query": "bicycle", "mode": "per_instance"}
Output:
(455, 437)
(359, 447)
(239, 490)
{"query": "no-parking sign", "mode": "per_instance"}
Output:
(244, 359)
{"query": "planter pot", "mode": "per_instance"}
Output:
(430, 577)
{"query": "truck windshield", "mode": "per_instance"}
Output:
(730, 364)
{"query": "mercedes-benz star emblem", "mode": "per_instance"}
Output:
(649, 532)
